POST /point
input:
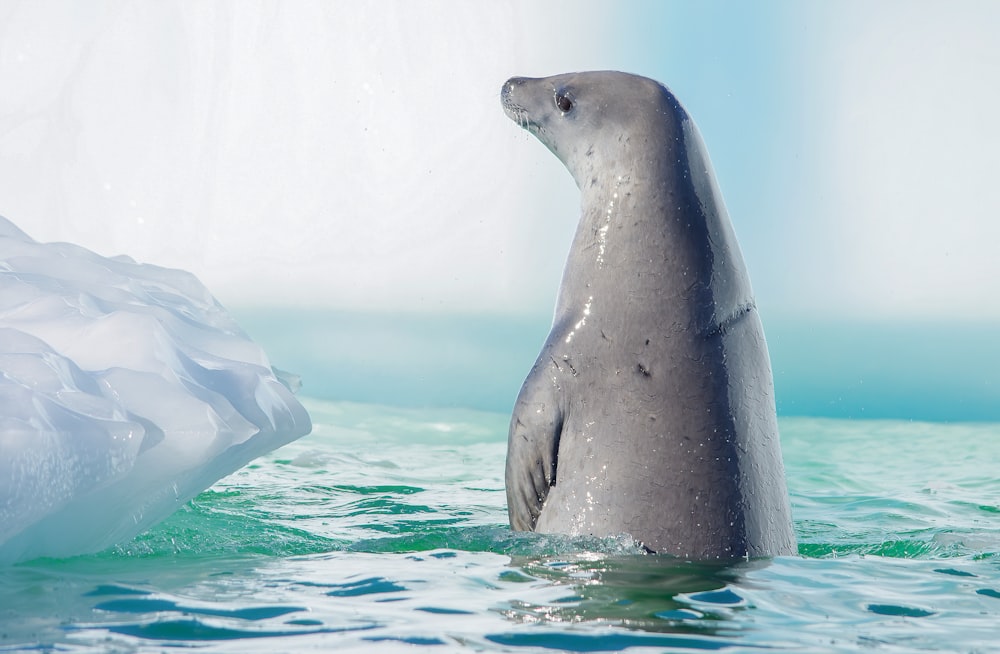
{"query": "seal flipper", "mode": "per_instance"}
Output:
(532, 453)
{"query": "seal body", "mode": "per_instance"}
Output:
(650, 409)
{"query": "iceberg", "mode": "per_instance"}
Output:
(125, 390)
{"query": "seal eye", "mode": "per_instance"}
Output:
(563, 102)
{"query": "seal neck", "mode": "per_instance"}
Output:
(654, 234)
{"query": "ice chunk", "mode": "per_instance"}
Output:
(125, 389)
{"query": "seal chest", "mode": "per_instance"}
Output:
(650, 409)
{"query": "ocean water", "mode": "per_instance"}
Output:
(385, 530)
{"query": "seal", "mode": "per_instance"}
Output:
(650, 409)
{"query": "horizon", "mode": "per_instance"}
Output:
(928, 371)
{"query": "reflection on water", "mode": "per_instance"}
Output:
(639, 591)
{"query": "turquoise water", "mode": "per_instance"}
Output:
(385, 530)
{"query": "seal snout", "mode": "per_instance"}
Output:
(508, 94)
(509, 86)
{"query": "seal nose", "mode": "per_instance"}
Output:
(514, 81)
(508, 88)
(507, 91)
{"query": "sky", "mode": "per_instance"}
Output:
(354, 155)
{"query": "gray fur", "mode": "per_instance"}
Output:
(650, 409)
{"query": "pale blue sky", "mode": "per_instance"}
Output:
(354, 155)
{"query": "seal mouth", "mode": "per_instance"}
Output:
(519, 115)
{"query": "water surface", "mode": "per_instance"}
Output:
(385, 530)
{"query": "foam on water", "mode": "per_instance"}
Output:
(125, 390)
